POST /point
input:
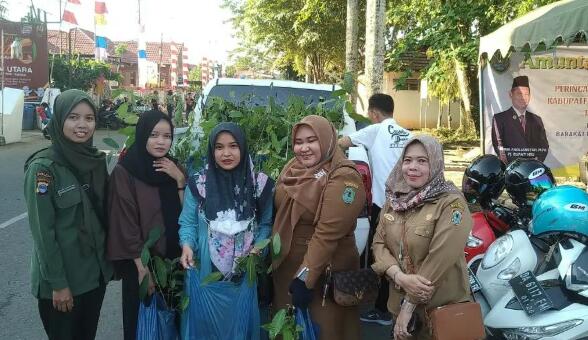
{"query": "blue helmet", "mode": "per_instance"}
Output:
(562, 209)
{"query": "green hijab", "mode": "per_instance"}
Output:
(86, 162)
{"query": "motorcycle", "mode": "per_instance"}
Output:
(547, 300)
(544, 307)
(109, 119)
(515, 252)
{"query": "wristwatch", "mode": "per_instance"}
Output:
(302, 274)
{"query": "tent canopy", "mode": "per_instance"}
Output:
(562, 19)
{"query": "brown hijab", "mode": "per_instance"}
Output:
(304, 186)
(401, 196)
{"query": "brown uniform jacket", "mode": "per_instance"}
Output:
(436, 233)
(330, 241)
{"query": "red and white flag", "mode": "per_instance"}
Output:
(69, 13)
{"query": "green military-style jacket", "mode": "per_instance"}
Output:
(55, 208)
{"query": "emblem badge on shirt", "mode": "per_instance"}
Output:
(348, 195)
(43, 179)
(456, 216)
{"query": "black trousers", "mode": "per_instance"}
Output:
(367, 259)
(127, 271)
(80, 323)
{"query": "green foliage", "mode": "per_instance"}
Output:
(292, 32)
(120, 49)
(77, 73)
(195, 74)
(452, 137)
(167, 274)
(448, 31)
(267, 128)
(284, 324)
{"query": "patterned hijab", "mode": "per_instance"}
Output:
(401, 196)
(304, 186)
(229, 189)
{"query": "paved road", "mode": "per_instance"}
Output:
(18, 311)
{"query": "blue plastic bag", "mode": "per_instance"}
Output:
(155, 322)
(220, 310)
(310, 330)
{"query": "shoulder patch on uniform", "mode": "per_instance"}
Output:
(43, 179)
(457, 205)
(456, 216)
(348, 194)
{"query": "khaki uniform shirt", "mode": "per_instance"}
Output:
(436, 233)
(54, 202)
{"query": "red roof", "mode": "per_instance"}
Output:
(83, 43)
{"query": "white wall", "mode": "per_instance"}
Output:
(410, 110)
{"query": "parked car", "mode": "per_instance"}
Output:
(259, 91)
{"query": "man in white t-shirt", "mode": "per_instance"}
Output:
(384, 141)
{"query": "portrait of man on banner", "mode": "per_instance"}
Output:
(517, 132)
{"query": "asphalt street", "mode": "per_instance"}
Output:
(19, 317)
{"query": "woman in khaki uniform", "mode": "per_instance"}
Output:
(319, 195)
(65, 188)
(421, 236)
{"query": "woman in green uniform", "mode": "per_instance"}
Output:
(65, 190)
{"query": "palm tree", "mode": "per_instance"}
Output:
(351, 42)
(375, 25)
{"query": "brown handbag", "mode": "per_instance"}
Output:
(457, 321)
(355, 287)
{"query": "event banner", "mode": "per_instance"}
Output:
(25, 58)
(535, 105)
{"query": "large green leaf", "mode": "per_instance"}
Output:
(276, 245)
(251, 272)
(111, 142)
(122, 110)
(184, 302)
(161, 272)
(212, 277)
(145, 256)
(154, 235)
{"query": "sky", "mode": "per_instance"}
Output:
(201, 24)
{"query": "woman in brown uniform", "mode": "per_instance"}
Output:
(318, 198)
(421, 236)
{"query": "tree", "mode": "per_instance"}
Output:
(375, 25)
(449, 31)
(195, 74)
(76, 73)
(351, 43)
(295, 31)
(230, 71)
(121, 49)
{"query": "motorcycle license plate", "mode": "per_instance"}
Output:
(530, 294)
(475, 285)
